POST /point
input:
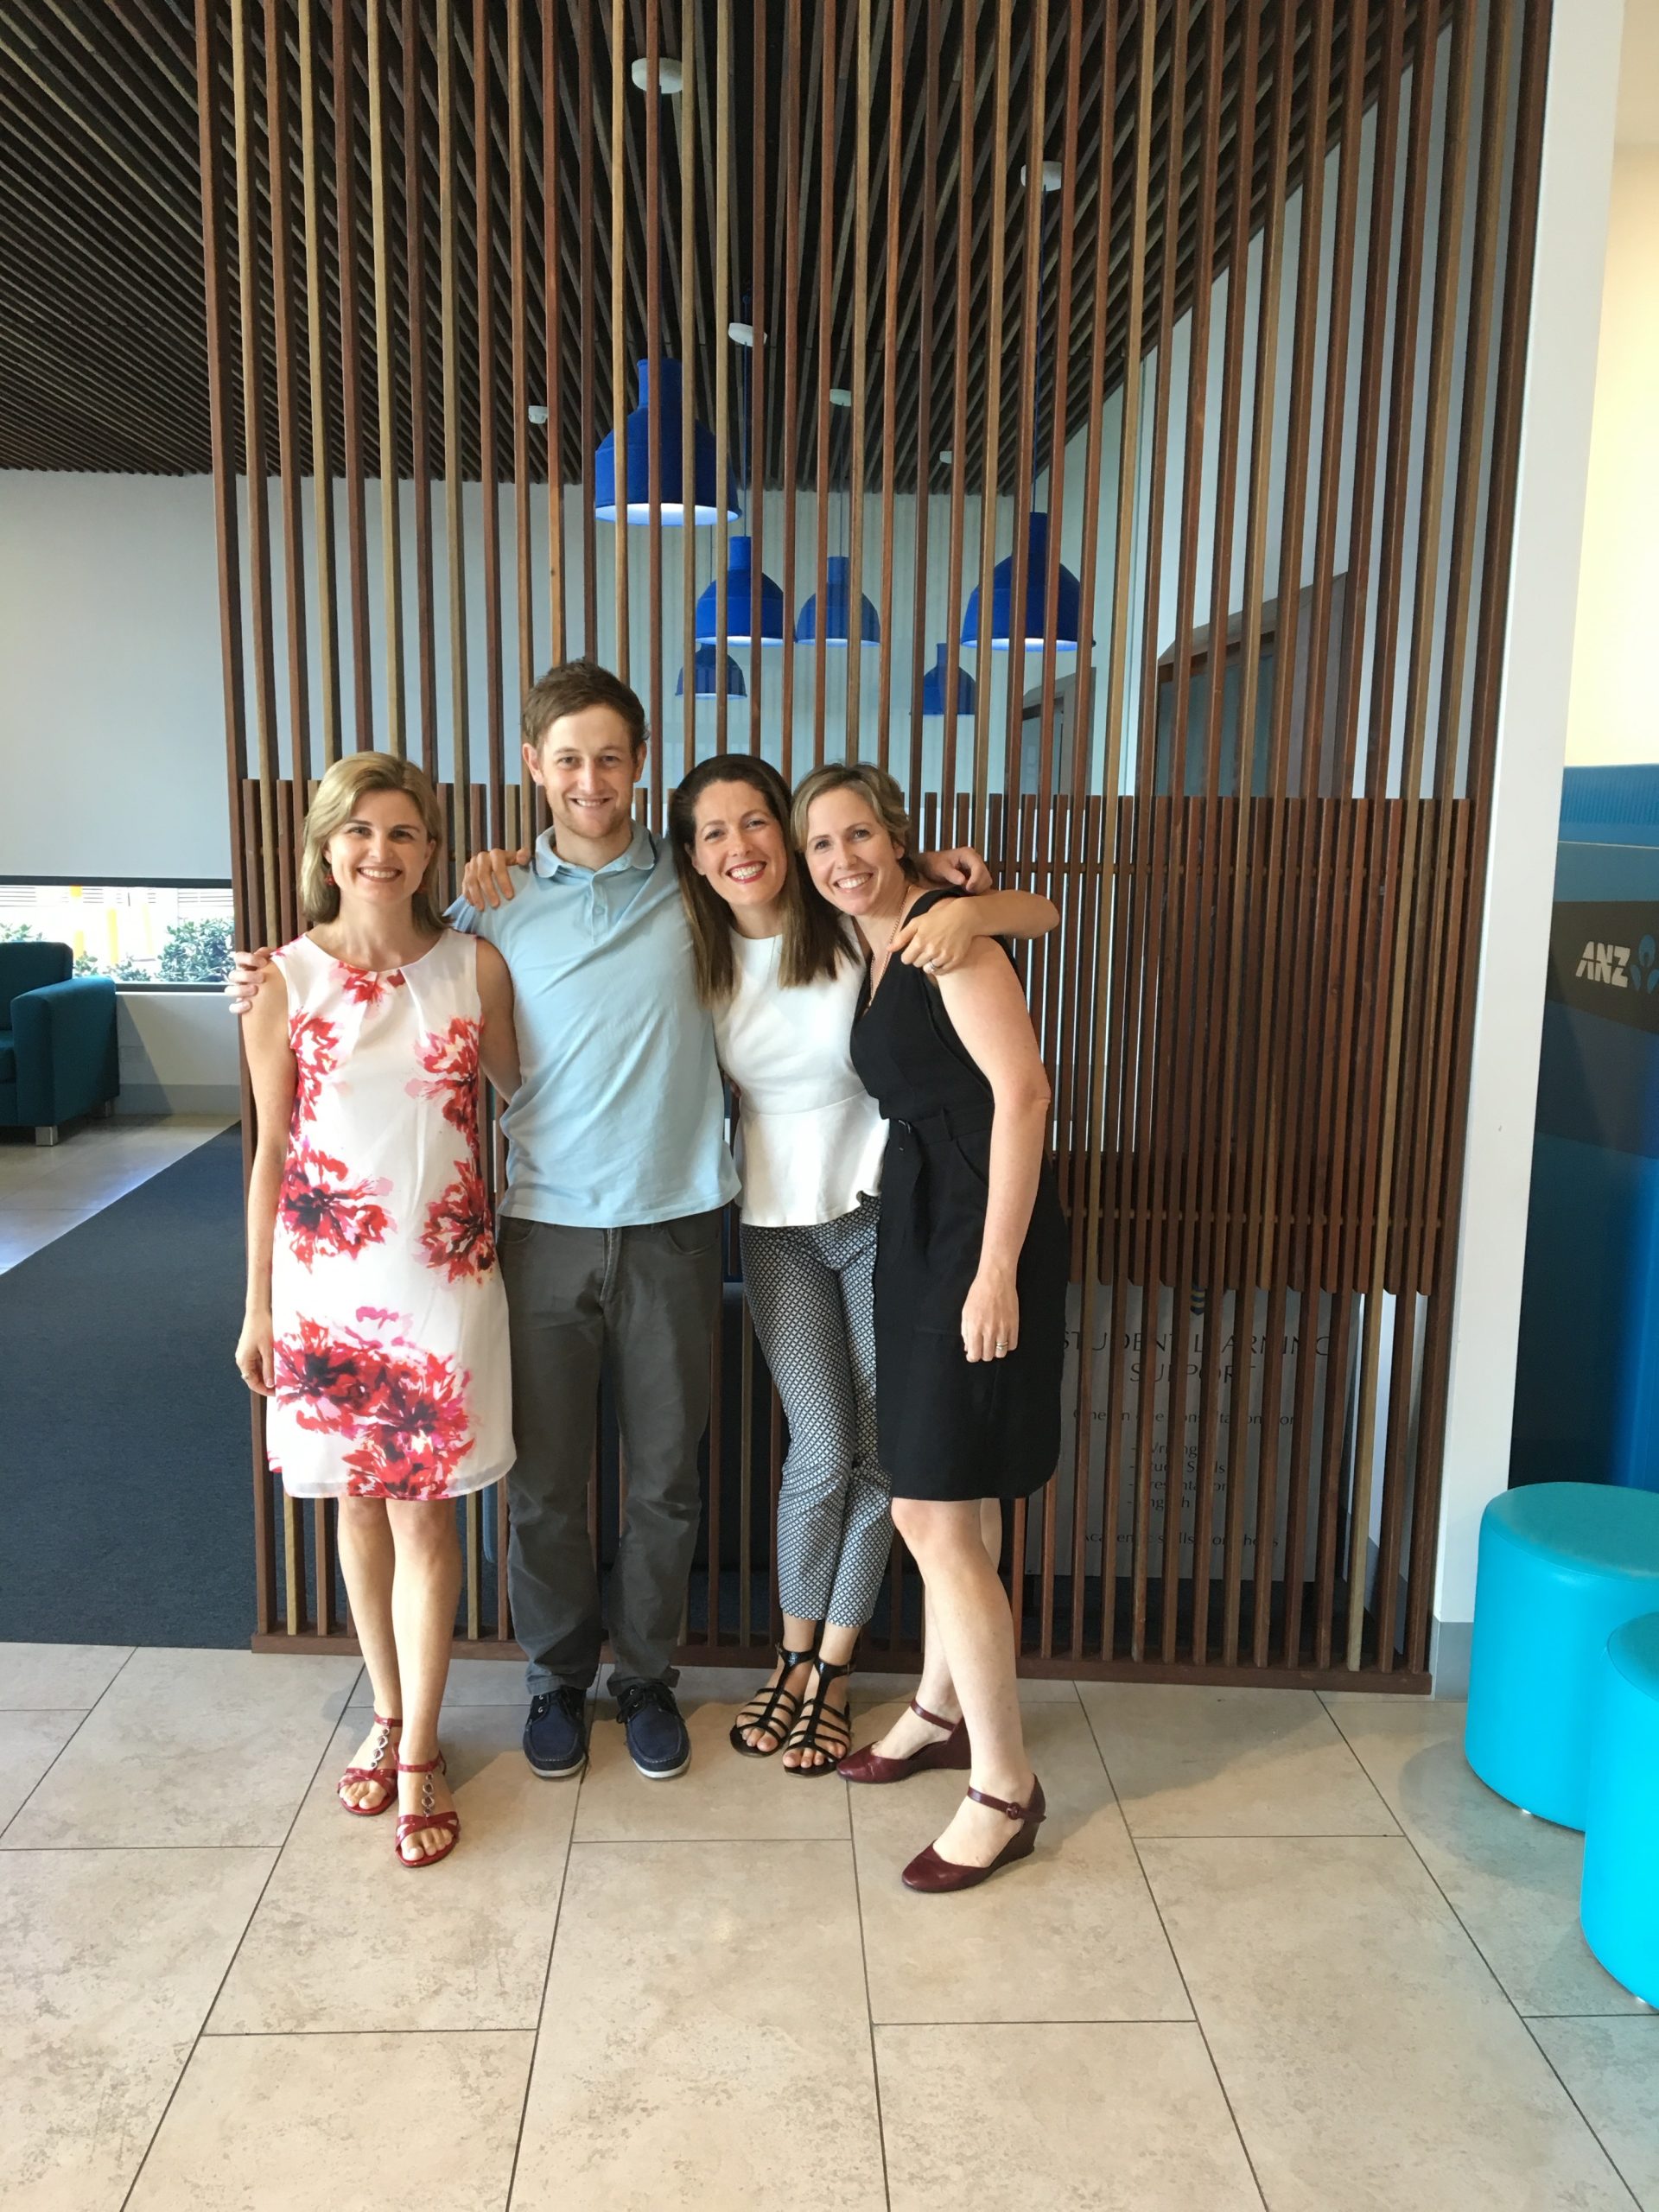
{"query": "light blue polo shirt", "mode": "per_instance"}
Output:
(618, 1119)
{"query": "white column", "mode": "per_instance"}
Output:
(1578, 157)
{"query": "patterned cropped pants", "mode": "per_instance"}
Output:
(811, 1293)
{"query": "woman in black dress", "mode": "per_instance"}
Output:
(970, 1278)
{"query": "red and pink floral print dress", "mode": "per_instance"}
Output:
(388, 1314)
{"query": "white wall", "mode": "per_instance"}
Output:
(178, 1053)
(1613, 709)
(111, 707)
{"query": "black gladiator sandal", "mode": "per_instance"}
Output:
(766, 1710)
(819, 1728)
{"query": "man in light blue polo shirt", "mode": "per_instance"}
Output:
(617, 1171)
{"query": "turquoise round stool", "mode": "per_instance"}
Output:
(1618, 1903)
(1561, 1566)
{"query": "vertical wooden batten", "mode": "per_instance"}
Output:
(1259, 796)
(351, 374)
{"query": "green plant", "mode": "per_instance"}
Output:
(18, 933)
(196, 952)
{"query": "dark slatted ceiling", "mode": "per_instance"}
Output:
(102, 349)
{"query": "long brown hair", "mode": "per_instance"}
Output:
(814, 946)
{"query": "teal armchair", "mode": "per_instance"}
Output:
(57, 1040)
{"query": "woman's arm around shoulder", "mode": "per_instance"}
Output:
(939, 940)
(498, 1046)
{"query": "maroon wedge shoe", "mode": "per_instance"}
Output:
(869, 1764)
(929, 1873)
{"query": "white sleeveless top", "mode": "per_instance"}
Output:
(809, 1136)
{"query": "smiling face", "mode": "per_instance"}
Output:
(587, 764)
(379, 857)
(854, 862)
(738, 846)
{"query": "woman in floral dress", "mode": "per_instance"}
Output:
(376, 1323)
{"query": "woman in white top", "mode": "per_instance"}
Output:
(781, 977)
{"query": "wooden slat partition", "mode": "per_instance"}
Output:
(1257, 361)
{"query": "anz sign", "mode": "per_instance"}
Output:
(1604, 958)
(1610, 964)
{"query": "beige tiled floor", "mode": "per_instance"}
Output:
(46, 1189)
(1274, 1950)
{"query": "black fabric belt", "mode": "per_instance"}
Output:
(951, 1122)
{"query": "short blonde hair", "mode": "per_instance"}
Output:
(335, 801)
(886, 803)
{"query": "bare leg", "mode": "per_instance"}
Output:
(424, 1592)
(937, 1691)
(835, 1644)
(968, 1609)
(365, 1560)
(799, 1636)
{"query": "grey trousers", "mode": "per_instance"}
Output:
(811, 1292)
(639, 1302)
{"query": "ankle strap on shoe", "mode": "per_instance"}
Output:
(431, 1766)
(933, 1719)
(381, 1721)
(999, 1805)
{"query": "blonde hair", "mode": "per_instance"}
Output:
(886, 803)
(335, 803)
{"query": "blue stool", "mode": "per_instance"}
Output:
(1562, 1564)
(1618, 1905)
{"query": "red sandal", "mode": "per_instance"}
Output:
(385, 1777)
(412, 1823)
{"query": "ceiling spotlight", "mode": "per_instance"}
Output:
(1053, 175)
(537, 415)
(740, 333)
(945, 457)
(839, 397)
(670, 76)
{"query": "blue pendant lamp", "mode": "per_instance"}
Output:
(1036, 623)
(838, 592)
(667, 403)
(741, 580)
(754, 606)
(837, 610)
(705, 676)
(933, 688)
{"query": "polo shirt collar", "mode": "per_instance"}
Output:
(641, 853)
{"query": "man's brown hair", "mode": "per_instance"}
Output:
(572, 686)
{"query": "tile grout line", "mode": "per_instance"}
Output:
(5, 1826)
(1498, 1983)
(1151, 1897)
(869, 2015)
(236, 1953)
(547, 1972)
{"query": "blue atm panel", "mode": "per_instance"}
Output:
(1587, 1381)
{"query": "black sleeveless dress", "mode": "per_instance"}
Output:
(950, 1427)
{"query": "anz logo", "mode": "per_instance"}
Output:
(1610, 964)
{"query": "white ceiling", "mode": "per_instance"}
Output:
(1639, 75)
